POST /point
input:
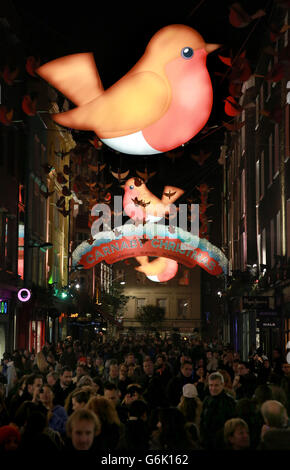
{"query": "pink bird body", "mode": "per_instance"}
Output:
(140, 204)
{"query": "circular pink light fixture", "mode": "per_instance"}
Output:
(24, 295)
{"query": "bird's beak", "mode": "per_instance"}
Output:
(212, 47)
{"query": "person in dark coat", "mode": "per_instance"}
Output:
(245, 382)
(217, 408)
(64, 386)
(136, 430)
(275, 434)
(175, 385)
(152, 385)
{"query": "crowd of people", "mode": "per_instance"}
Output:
(143, 393)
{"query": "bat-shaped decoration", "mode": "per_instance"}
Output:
(61, 178)
(31, 65)
(117, 232)
(5, 115)
(60, 202)
(120, 176)
(29, 105)
(233, 127)
(47, 168)
(64, 212)
(91, 185)
(61, 154)
(173, 155)
(67, 170)
(97, 169)
(144, 240)
(66, 191)
(90, 240)
(98, 144)
(46, 194)
(239, 18)
(9, 75)
(145, 175)
(169, 194)
(201, 158)
(232, 107)
(139, 202)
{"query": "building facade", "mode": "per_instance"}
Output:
(256, 210)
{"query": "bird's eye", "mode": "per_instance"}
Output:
(131, 187)
(187, 52)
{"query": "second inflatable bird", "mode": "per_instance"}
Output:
(160, 104)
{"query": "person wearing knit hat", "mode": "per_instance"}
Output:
(191, 406)
(189, 391)
(9, 438)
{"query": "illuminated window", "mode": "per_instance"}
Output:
(270, 159)
(262, 175)
(21, 249)
(257, 181)
(278, 232)
(162, 303)
(140, 303)
(243, 193)
(183, 307)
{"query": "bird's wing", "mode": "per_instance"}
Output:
(153, 268)
(75, 76)
(130, 105)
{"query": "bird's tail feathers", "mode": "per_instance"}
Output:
(75, 76)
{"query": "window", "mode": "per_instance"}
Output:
(257, 182)
(276, 151)
(162, 303)
(270, 159)
(272, 236)
(243, 250)
(278, 232)
(288, 228)
(257, 111)
(243, 193)
(262, 175)
(287, 125)
(140, 303)
(243, 132)
(263, 250)
(183, 307)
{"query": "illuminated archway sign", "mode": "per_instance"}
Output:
(24, 295)
(151, 240)
(160, 104)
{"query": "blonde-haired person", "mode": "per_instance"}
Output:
(191, 406)
(79, 396)
(236, 434)
(111, 424)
